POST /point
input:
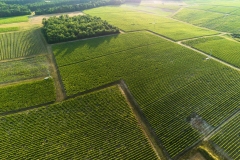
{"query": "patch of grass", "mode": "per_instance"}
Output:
(13, 19)
(99, 125)
(9, 29)
(28, 68)
(26, 94)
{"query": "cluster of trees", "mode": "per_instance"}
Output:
(65, 28)
(62, 7)
(25, 7)
(8, 10)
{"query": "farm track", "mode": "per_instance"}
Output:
(198, 51)
(236, 113)
(60, 90)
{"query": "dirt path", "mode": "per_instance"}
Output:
(60, 91)
(144, 124)
(198, 51)
(222, 125)
(54, 72)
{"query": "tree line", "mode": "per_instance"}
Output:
(25, 7)
(65, 28)
(8, 10)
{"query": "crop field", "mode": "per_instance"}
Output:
(34, 67)
(196, 85)
(20, 44)
(130, 21)
(99, 125)
(197, 17)
(224, 9)
(13, 19)
(212, 20)
(79, 51)
(228, 137)
(9, 29)
(28, 94)
(219, 47)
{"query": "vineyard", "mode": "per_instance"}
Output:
(99, 125)
(161, 88)
(13, 19)
(187, 83)
(20, 44)
(130, 21)
(222, 48)
(228, 138)
(212, 20)
(34, 67)
(27, 94)
(79, 51)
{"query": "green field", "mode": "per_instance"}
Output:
(224, 9)
(197, 17)
(26, 94)
(157, 74)
(99, 125)
(130, 21)
(219, 47)
(228, 137)
(212, 20)
(34, 67)
(13, 19)
(20, 44)
(9, 29)
(78, 51)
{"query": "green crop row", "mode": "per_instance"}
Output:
(228, 137)
(222, 48)
(93, 48)
(28, 68)
(169, 82)
(212, 20)
(13, 19)
(19, 44)
(28, 94)
(99, 125)
(130, 21)
(9, 29)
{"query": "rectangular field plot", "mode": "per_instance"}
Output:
(130, 21)
(20, 44)
(228, 137)
(34, 67)
(222, 48)
(196, 17)
(169, 82)
(99, 125)
(69, 53)
(28, 94)
(224, 9)
(212, 20)
(13, 19)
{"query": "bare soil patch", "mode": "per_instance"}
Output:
(197, 156)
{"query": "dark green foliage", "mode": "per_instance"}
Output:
(7, 10)
(65, 28)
